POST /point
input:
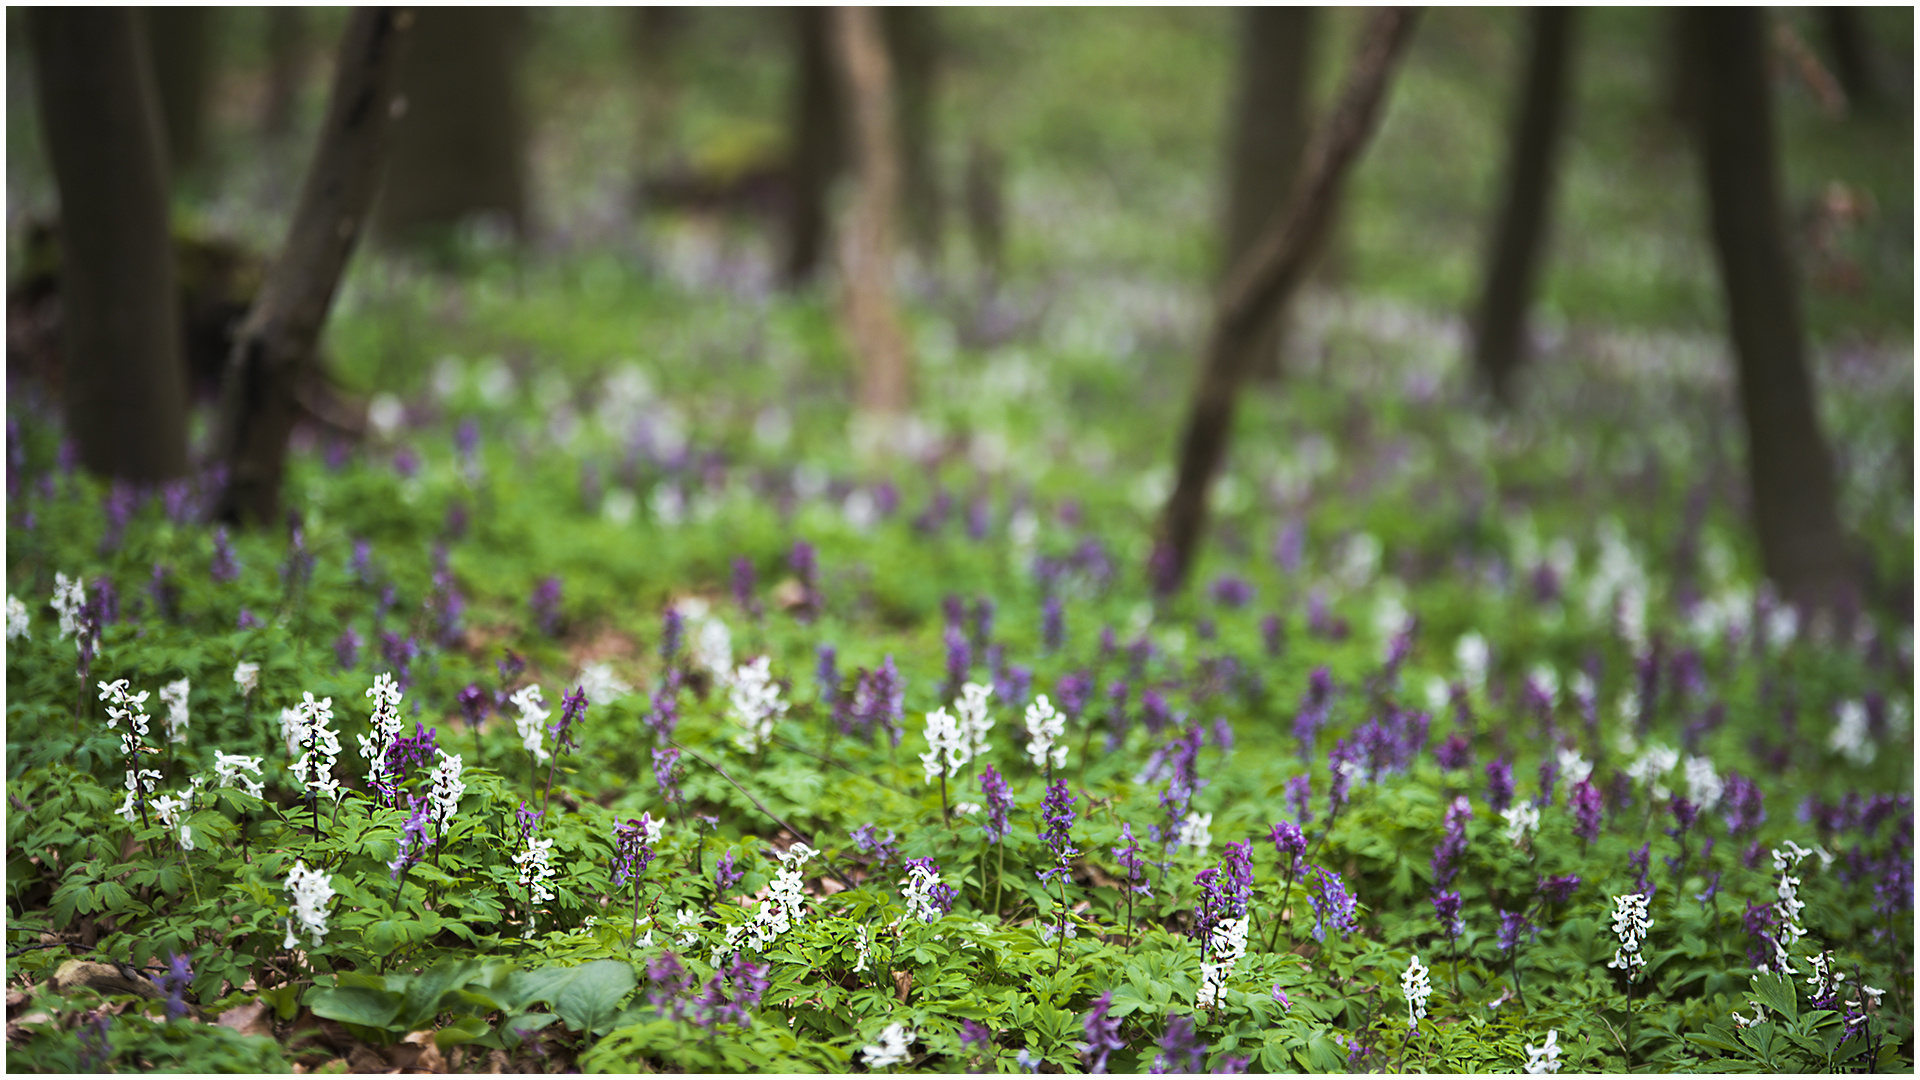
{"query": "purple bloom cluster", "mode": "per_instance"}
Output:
(1128, 856)
(632, 851)
(729, 996)
(724, 875)
(1103, 1034)
(1513, 926)
(1057, 811)
(1224, 890)
(999, 804)
(939, 894)
(667, 774)
(879, 697)
(826, 674)
(1181, 1048)
(1455, 753)
(1585, 802)
(410, 752)
(1289, 843)
(867, 841)
(1331, 901)
(573, 709)
(1315, 705)
(1453, 844)
(1390, 743)
(1499, 784)
(672, 629)
(413, 839)
(1742, 805)
(1300, 798)
(1053, 624)
(1446, 907)
(175, 981)
(546, 605)
(664, 716)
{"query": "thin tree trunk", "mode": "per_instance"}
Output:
(275, 345)
(1789, 469)
(1262, 280)
(286, 69)
(1269, 141)
(653, 32)
(1853, 61)
(817, 145)
(124, 385)
(1500, 326)
(459, 150)
(913, 47)
(986, 211)
(866, 251)
(181, 40)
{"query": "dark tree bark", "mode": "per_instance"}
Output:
(1853, 65)
(986, 210)
(1500, 323)
(1789, 470)
(181, 39)
(286, 69)
(1269, 272)
(913, 47)
(866, 251)
(652, 33)
(815, 152)
(1270, 124)
(459, 149)
(124, 387)
(274, 347)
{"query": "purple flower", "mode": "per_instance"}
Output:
(398, 653)
(1232, 592)
(666, 773)
(1637, 862)
(1759, 922)
(474, 704)
(1289, 547)
(1272, 635)
(940, 895)
(1499, 784)
(573, 709)
(633, 848)
(982, 622)
(959, 657)
(878, 699)
(1549, 772)
(1343, 762)
(1314, 707)
(743, 585)
(1453, 845)
(826, 673)
(977, 1037)
(1446, 907)
(413, 839)
(1288, 842)
(1684, 815)
(1181, 1050)
(672, 628)
(1053, 624)
(867, 841)
(802, 560)
(1585, 802)
(411, 752)
(166, 595)
(363, 562)
(247, 620)
(1513, 926)
(1742, 804)
(175, 981)
(1559, 890)
(1300, 798)
(346, 649)
(724, 875)
(1330, 900)
(1455, 753)
(1057, 811)
(546, 605)
(1128, 855)
(1072, 691)
(1153, 710)
(664, 716)
(999, 804)
(1103, 1034)
(95, 1051)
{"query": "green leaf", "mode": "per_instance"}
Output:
(1776, 993)
(464, 1030)
(357, 1005)
(585, 997)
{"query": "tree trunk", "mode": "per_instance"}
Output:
(1262, 280)
(1269, 140)
(816, 149)
(124, 385)
(913, 47)
(866, 251)
(987, 211)
(1853, 65)
(652, 33)
(181, 40)
(275, 345)
(286, 69)
(1789, 470)
(458, 149)
(1500, 325)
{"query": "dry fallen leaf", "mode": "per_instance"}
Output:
(903, 982)
(363, 1058)
(429, 1059)
(249, 1019)
(497, 1061)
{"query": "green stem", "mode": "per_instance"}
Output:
(945, 817)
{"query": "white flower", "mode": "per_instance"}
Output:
(1226, 944)
(1651, 766)
(1573, 767)
(1523, 820)
(1414, 984)
(1849, 736)
(445, 788)
(532, 720)
(310, 890)
(69, 599)
(229, 770)
(1194, 832)
(1546, 680)
(136, 781)
(386, 727)
(947, 747)
(535, 872)
(1471, 654)
(1544, 1058)
(785, 903)
(687, 921)
(320, 744)
(1630, 924)
(1704, 786)
(892, 1048)
(972, 714)
(918, 889)
(246, 675)
(755, 701)
(965, 809)
(712, 645)
(171, 812)
(174, 697)
(17, 619)
(863, 950)
(1044, 727)
(122, 705)
(599, 683)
